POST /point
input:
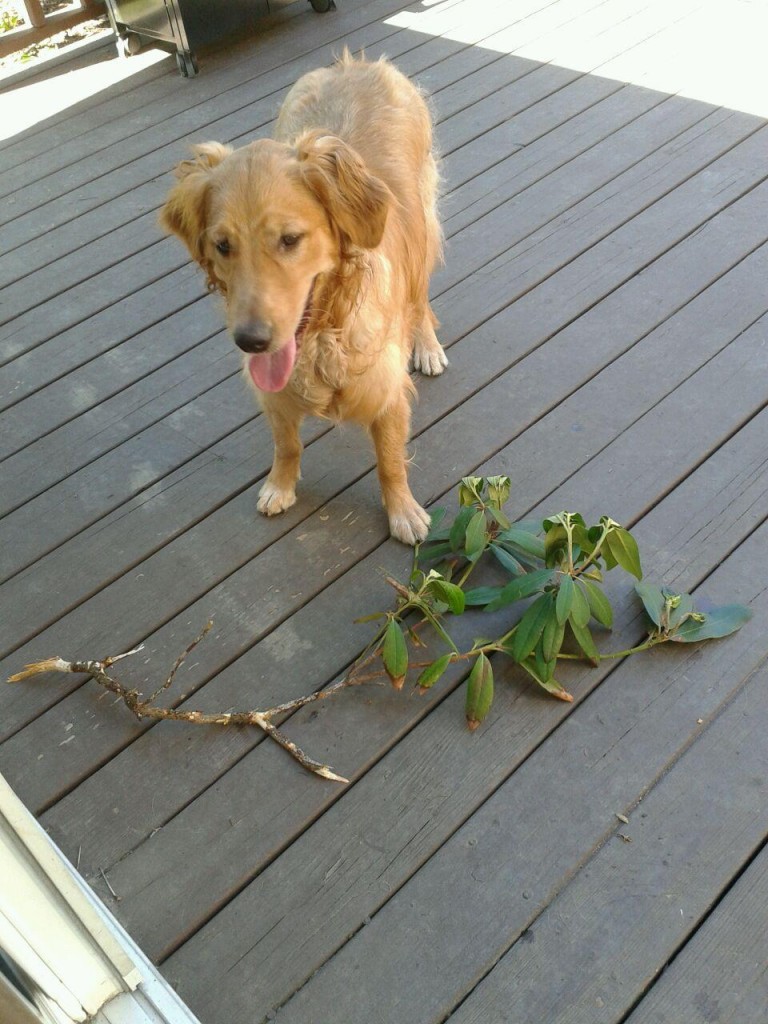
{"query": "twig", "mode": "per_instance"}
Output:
(145, 708)
(106, 882)
(180, 660)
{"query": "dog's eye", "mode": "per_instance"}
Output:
(223, 247)
(290, 241)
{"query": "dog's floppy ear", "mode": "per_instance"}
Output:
(356, 200)
(184, 211)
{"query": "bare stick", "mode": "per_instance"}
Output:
(145, 708)
(180, 660)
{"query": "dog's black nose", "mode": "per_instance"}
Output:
(253, 337)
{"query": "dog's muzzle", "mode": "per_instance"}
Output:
(254, 337)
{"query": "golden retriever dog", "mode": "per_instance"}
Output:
(322, 241)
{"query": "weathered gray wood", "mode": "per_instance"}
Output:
(86, 496)
(279, 42)
(115, 100)
(538, 162)
(140, 288)
(134, 876)
(563, 238)
(275, 954)
(598, 329)
(77, 443)
(601, 936)
(225, 115)
(614, 926)
(150, 371)
(503, 70)
(128, 875)
(83, 383)
(566, 186)
(604, 309)
(719, 975)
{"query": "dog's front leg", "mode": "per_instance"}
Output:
(408, 521)
(279, 489)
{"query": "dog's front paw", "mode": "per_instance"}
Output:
(409, 523)
(429, 357)
(274, 499)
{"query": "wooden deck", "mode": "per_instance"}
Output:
(603, 305)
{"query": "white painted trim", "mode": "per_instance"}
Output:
(61, 934)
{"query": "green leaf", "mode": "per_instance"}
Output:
(599, 605)
(476, 536)
(450, 594)
(509, 562)
(580, 613)
(459, 529)
(555, 541)
(548, 684)
(552, 637)
(530, 628)
(370, 618)
(499, 516)
(470, 490)
(544, 668)
(481, 596)
(498, 490)
(435, 623)
(561, 519)
(432, 672)
(429, 552)
(395, 653)
(479, 691)
(524, 540)
(436, 530)
(607, 557)
(681, 611)
(583, 540)
(584, 639)
(564, 603)
(653, 601)
(623, 547)
(520, 587)
(717, 622)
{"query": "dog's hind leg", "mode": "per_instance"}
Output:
(408, 522)
(279, 489)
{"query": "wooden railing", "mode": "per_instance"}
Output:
(41, 25)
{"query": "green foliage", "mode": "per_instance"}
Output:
(479, 691)
(9, 19)
(557, 565)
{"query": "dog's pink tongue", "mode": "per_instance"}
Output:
(270, 370)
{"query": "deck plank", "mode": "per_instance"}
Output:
(604, 311)
(552, 188)
(632, 902)
(723, 242)
(421, 792)
(719, 400)
(720, 975)
(475, 372)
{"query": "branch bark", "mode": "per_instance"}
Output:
(143, 707)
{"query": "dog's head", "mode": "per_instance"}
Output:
(265, 222)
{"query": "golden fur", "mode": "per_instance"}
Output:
(322, 241)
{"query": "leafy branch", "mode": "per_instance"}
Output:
(558, 565)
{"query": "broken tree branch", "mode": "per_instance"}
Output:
(143, 707)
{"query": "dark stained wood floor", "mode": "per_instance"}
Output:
(603, 305)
